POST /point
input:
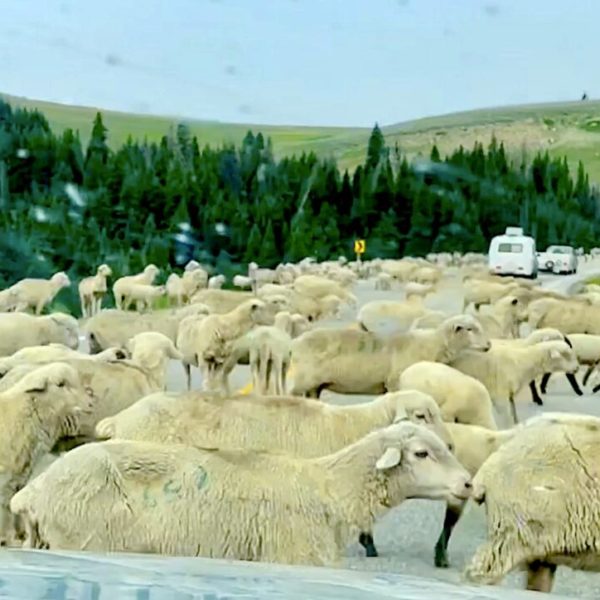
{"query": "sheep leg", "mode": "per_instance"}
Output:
(544, 383)
(513, 409)
(367, 542)
(540, 576)
(453, 514)
(284, 371)
(188, 375)
(573, 381)
(264, 371)
(588, 372)
(534, 393)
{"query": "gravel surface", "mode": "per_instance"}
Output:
(406, 536)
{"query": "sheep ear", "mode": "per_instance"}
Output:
(389, 459)
(39, 386)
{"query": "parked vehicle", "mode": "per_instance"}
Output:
(513, 253)
(558, 259)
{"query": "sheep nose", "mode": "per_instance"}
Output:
(468, 485)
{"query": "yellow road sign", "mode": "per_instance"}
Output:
(360, 246)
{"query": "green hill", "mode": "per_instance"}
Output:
(570, 129)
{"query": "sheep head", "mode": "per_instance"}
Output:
(65, 327)
(60, 280)
(416, 463)
(151, 350)
(150, 272)
(558, 356)
(464, 332)
(104, 270)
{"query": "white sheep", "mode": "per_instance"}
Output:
(481, 292)
(503, 318)
(143, 296)
(9, 300)
(383, 282)
(260, 276)
(348, 361)
(472, 446)
(421, 290)
(541, 492)
(314, 286)
(462, 399)
(314, 505)
(243, 282)
(92, 290)
(216, 282)
(45, 405)
(121, 285)
(113, 328)
(19, 330)
(380, 314)
(175, 290)
(39, 293)
(506, 369)
(215, 333)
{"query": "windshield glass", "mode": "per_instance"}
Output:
(510, 248)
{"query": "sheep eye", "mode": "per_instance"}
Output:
(422, 454)
(60, 384)
(420, 416)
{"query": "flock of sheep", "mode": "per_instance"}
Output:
(98, 455)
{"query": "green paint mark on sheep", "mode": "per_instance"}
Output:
(149, 500)
(201, 477)
(171, 490)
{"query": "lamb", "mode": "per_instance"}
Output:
(39, 293)
(45, 405)
(221, 301)
(121, 285)
(243, 282)
(313, 505)
(421, 290)
(568, 316)
(180, 289)
(505, 369)
(541, 498)
(9, 300)
(215, 333)
(270, 356)
(216, 282)
(192, 419)
(92, 290)
(260, 276)
(357, 362)
(462, 399)
(428, 276)
(317, 287)
(503, 318)
(175, 290)
(113, 328)
(187, 334)
(481, 292)
(144, 296)
(19, 330)
(118, 384)
(379, 314)
(472, 446)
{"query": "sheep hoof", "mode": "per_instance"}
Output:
(440, 559)
(366, 540)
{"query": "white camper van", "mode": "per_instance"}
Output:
(513, 254)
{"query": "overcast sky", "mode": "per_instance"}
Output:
(322, 62)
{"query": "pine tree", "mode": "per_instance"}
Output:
(376, 148)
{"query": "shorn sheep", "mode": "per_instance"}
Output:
(271, 423)
(19, 330)
(92, 290)
(462, 399)
(121, 285)
(179, 500)
(44, 406)
(36, 294)
(506, 369)
(542, 502)
(359, 362)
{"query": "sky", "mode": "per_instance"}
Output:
(301, 62)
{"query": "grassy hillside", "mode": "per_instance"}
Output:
(571, 129)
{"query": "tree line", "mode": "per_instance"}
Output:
(66, 206)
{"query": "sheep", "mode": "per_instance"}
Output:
(216, 282)
(243, 282)
(472, 446)
(175, 290)
(118, 384)
(317, 287)
(383, 282)
(314, 504)
(568, 316)
(43, 406)
(400, 270)
(587, 350)
(358, 362)
(541, 492)
(39, 293)
(121, 285)
(401, 315)
(19, 330)
(481, 292)
(192, 418)
(221, 301)
(421, 290)
(144, 296)
(505, 369)
(270, 355)
(92, 290)
(260, 276)
(462, 399)
(503, 318)
(427, 275)
(113, 328)
(187, 334)
(9, 300)
(214, 334)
